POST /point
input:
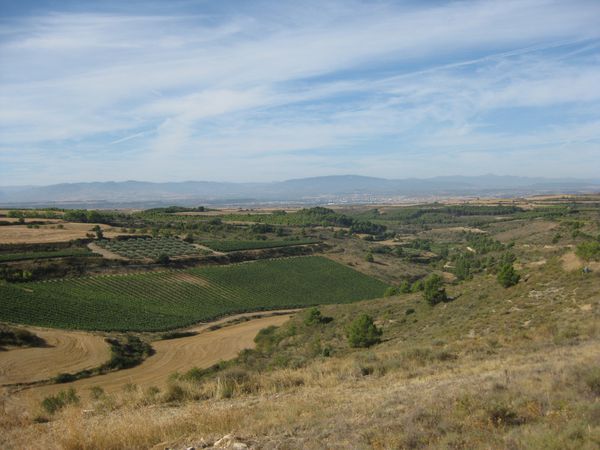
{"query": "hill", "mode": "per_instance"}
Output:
(305, 190)
(500, 368)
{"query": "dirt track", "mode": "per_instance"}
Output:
(67, 351)
(201, 350)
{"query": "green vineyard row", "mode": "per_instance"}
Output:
(158, 301)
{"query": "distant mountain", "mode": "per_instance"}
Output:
(316, 190)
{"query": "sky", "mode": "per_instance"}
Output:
(272, 90)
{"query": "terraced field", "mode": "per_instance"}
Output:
(234, 245)
(148, 248)
(63, 253)
(171, 299)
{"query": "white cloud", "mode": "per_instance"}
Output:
(262, 83)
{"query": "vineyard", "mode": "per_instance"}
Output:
(171, 299)
(148, 248)
(68, 252)
(233, 245)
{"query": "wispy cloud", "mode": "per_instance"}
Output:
(276, 89)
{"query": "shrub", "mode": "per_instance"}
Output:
(588, 250)
(433, 290)
(362, 332)
(389, 292)
(404, 287)
(96, 392)
(314, 317)
(417, 286)
(507, 276)
(592, 380)
(163, 259)
(369, 257)
(54, 403)
(64, 378)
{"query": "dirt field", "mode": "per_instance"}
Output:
(20, 234)
(67, 351)
(201, 350)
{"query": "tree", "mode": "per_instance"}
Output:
(362, 332)
(508, 276)
(163, 259)
(369, 257)
(98, 231)
(433, 290)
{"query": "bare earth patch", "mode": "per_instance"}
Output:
(570, 261)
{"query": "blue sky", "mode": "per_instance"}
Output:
(271, 90)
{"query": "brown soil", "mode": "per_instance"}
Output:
(570, 261)
(175, 355)
(67, 351)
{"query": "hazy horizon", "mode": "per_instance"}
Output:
(268, 91)
(134, 180)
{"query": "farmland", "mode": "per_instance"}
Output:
(148, 247)
(60, 232)
(234, 245)
(23, 256)
(171, 299)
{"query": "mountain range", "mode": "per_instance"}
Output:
(315, 190)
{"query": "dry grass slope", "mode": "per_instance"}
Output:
(495, 368)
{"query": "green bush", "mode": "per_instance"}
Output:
(507, 276)
(404, 287)
(588, 250)
(163, 259)
(314, 317)
(433, 290)
(362, 332)
(391, 291)
(55, 403)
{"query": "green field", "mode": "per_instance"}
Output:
(22, 256)
(233, 245)
(149, 248)
(171, 299)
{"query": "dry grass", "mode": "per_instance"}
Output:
(538, 402)
(21, 234)
(515, 368)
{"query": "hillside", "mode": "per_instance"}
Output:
(506, 368)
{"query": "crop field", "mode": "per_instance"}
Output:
(61, 232)
(23, 256)
(148, 248)
(233, 245)
(171, 299)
